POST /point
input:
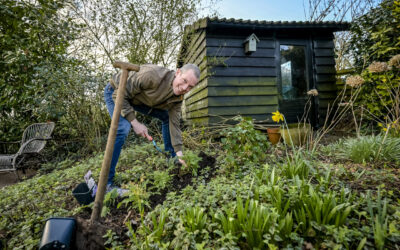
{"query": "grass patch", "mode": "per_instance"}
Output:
(368, 149)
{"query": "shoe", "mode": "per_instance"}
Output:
(120, 191)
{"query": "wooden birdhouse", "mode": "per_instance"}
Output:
(250, 44)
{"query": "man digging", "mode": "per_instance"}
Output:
(155, 91)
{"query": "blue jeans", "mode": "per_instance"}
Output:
(124, 127)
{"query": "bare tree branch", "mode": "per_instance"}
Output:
(337, 10)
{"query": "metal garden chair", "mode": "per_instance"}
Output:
(33, 141)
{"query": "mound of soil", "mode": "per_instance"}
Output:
(90, 236)
(207, 161)
(180, 181)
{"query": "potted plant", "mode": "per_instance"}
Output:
(274, 133)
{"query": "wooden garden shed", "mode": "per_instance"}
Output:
(253, 68)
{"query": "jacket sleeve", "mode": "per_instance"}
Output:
(174, 128)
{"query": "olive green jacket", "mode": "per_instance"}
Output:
(152, 86)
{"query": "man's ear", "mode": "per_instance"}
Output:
(178, 71)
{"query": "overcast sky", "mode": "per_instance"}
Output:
(269, 10)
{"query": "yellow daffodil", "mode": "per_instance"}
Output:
(276, 116)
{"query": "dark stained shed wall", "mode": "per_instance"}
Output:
(237, 83)
(324, 73)
(234, 83)
(247, 84)
(195, 52)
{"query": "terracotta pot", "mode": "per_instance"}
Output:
(274, 135)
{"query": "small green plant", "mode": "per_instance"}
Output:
(265, 176)
(161, 179)
(48, 167)
(278, 199)
(379, 218)
(296, 165)
(110, 200)
(324, 178)
(112, 240)
(322, 208)
(250, 222)
(192, 162)
(156, 230)
(137, 198)
(194, 219)
(285, 226)
(255, 220)
(226, 219)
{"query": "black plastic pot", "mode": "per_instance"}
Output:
(58, 234)
(83, 194)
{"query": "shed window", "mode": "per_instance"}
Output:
(293, 72)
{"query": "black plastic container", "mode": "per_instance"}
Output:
(58, 233)
(83, 194)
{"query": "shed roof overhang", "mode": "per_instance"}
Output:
(224, 25)
(256, 24)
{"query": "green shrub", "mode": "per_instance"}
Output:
(376, 50)
(375, 35)
(243, 144)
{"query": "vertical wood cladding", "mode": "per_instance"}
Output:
(324, 73)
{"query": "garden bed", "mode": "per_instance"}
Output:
(320, 199)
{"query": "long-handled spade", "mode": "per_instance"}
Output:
(105, 168)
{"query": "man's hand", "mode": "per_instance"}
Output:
(180, 154)
(141, 129)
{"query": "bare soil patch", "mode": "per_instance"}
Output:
(9, 178)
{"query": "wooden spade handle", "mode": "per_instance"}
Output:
(105, 168)
(126, 65)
